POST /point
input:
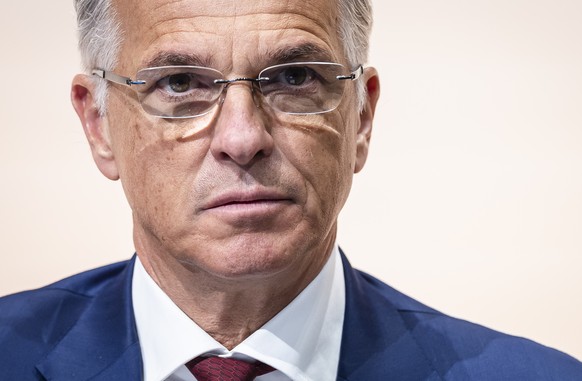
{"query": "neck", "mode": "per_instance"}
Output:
(230, 309)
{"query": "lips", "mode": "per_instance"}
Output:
(245, 199)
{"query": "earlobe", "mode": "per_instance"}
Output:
(95, 125)
(364, 134)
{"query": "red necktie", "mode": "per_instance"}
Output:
(226, 369)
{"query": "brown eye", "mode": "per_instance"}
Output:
(180, 83)
(295, 75)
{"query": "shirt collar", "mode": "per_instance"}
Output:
(302, 341)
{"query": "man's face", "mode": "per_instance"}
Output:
(245, 190)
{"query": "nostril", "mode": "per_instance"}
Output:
(246, 146)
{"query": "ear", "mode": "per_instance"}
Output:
(95, 125)
(367, 117)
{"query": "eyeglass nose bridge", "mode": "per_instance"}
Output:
(228, 82)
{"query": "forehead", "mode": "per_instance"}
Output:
(233, 35)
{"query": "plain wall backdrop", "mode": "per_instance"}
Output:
(471, 200)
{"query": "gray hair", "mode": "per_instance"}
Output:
(100, 38)
(355, 26)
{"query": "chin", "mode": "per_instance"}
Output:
(253, 266)
(251, 259)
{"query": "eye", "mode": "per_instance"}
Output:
(183, 83)
(179, 83)
(296, 75)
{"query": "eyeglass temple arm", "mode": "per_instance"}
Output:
(110, 76)
(353, 75)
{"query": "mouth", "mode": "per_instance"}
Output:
(254, 203)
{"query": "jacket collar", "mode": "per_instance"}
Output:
(376, 344)
(103, 344)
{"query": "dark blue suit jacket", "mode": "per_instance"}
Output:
(83, 328)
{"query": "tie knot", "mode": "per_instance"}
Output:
(226, 369)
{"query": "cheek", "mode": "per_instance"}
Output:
(336, 163)
(323, 154)
(153, 164)
(159, 186)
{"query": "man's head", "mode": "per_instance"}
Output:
(245, 190)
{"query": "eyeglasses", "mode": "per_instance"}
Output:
(191, 91)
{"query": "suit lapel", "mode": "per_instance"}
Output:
(376, 344)
(103, 344)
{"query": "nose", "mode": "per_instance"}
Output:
(240, 132)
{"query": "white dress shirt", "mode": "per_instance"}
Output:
(302, 341)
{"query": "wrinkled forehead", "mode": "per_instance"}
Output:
(229, 35)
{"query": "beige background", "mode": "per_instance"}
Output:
(471, 199)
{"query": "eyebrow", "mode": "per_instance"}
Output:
(176, 59)
(304, 52)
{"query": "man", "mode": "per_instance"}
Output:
(235, 128)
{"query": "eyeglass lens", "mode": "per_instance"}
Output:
(190, 91)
